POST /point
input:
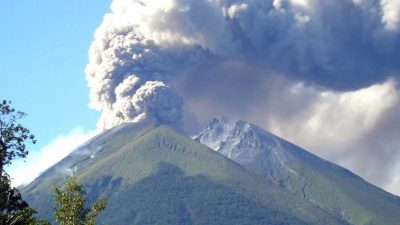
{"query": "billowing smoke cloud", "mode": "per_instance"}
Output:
(322, 73)
(125, 76)
(153, 101)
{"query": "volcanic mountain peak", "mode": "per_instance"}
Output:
(154, 175)
(244, 142)
(320, 182)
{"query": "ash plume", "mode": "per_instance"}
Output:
(278, 63)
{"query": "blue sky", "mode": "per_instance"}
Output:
(44, 50)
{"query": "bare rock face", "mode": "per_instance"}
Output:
(249, 146)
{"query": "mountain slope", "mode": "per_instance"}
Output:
(153, 175)
(307, 176)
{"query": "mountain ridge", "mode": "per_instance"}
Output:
(302, 173)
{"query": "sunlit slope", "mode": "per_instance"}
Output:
(324, 184)
(157, 176)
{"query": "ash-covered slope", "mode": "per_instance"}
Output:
(154, 175)
(316, 180)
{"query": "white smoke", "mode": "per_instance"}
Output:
(153, 101)
(122, 62)
(60, 147)
(301, 68)
(339, 44)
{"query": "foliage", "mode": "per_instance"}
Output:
(13, 136)
(14, 210)
(70, 205)
(10, 198)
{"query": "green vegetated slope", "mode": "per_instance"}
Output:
(339, 190)
(322, 183)
(153, 175)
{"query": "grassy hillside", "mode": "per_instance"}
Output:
(342, 192)
(157, 176)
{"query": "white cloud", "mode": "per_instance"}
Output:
(356, 129)
(394, 185)
(391, 14)
(50, 154)
(335, 117)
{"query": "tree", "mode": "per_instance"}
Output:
(13, 210)
(70, 207)
(70, 200)
(13, 136)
